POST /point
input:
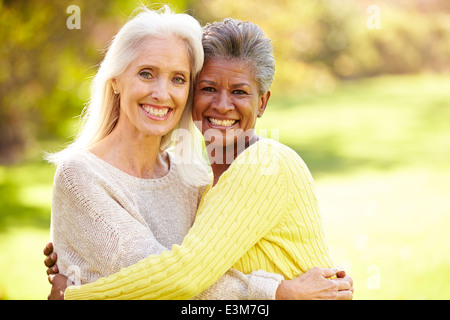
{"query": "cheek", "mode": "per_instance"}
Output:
(197, 108)
(249, 114)
(129, 95)
(196, 114)
(181, 98)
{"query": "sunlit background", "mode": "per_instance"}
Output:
(362, 93)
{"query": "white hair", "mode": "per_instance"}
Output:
(102, 112)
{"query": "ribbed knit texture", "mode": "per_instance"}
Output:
(104, 220)
(262, 214)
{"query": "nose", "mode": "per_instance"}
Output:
(160, 90)
(222, 102)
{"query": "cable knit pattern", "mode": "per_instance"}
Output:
(262, 214)
(104, 220)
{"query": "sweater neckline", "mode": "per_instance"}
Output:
(239, 159)
(156, 182)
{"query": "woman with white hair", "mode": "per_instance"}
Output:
(119, 197)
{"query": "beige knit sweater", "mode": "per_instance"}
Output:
(104, 220)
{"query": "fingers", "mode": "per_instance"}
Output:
(48, 249)
(342, 284)
(349, 279)
(345, 295)
(341, 274)
(344, 287)
(50, 278)
(50, 261)
(328, 272)
(53, 270)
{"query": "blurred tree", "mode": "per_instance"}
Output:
(42, 63)
(46, 67)
(319, 43)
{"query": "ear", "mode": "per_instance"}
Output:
(115, 85)
(263, 100)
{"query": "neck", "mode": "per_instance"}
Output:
(221, 157)
(132, 152)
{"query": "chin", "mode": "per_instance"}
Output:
(156, 132)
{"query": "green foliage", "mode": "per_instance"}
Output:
(319, 43)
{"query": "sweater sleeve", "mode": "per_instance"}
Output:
(312, 245)
(235, 285)
(246, 203)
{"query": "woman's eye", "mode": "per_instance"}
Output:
(239, 92)
(145, 74)
(208, 89)
(179, 80)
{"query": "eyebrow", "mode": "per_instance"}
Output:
(148, 66)
(237, 85)
(208, 82)
(242, 84)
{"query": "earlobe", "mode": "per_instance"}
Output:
(114, 85)
(264, 99)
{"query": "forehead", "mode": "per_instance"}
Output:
(227, 69)
(169, 52)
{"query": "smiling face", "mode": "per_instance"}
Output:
(227, 101)
(154, 88)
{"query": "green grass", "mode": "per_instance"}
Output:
(25, 202)
(21, 264)
(378, 150)
(391, 232)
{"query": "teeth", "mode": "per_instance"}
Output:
(156, 112)
(222, 123)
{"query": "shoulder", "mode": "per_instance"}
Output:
(76, 168)
(284, 161)
(295, 169)
(280, 151)
(261, 163)
(73, 162)
(273, 155)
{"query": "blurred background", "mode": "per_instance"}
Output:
(362, 93)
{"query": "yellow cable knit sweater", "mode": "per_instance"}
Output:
(262, 214)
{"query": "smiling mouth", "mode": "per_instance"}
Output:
(221, 122)
(156, 113)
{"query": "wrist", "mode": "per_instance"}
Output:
(283, 291)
